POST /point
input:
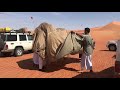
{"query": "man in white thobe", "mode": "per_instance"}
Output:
(88, 46)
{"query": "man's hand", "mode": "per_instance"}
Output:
(72, 32)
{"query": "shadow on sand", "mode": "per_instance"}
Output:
(28, 64)
(107, 50)
(107, 73)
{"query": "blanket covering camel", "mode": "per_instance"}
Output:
(53, 44)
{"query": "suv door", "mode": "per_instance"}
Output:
(23, 42)
(11, 41)
(30, 41)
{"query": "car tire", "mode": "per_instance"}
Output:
(112, 47)
(18, 51)
(30, 51)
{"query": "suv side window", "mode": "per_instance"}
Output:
(3, 37)
(30, 37)
(11, 37)
(22, 37)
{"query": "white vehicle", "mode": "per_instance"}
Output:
(112, 45)
(16, 43)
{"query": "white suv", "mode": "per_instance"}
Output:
(112, 45)
(16, 43)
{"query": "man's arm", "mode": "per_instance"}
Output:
(77, 34)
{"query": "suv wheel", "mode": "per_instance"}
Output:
(18, 51)
(112, 47)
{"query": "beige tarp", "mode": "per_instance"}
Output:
(52, 44)
(47, 40)
(72, 45)
(39, 42)
(54, 41)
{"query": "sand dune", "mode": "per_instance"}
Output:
(111, 30)
(111, 26)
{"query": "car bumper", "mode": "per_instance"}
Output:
(3, 51)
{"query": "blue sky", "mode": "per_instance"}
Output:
(67, 20)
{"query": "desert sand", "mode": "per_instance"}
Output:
(103, 60)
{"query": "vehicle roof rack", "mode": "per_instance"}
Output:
(14, 31)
